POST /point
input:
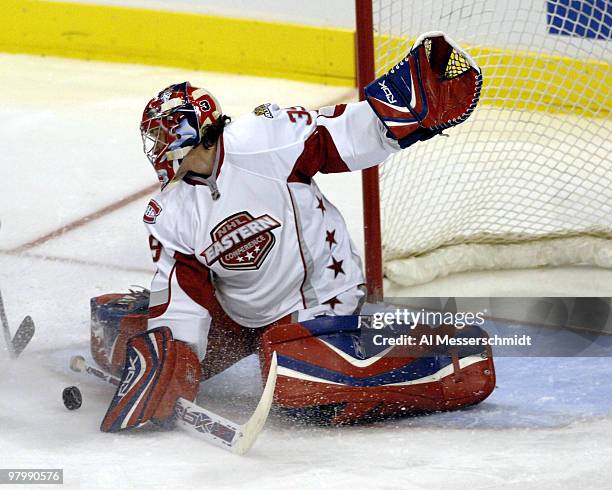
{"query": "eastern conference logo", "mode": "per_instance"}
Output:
(401, 319)
(241, 241)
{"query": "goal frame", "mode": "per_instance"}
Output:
(364, 53)
(566, 222)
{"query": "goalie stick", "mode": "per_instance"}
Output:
(23, 335)
(201, 422)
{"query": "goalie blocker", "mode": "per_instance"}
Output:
(436, 86)
(328, 371)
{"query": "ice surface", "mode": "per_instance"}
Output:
(71, 146)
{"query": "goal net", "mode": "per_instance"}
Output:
(527, 180)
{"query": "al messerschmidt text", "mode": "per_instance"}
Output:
(451, 341)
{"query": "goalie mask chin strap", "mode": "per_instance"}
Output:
(211, 180)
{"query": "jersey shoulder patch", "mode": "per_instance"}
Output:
(173, 217)
(264, 110)
(153, 210)
(170, 201)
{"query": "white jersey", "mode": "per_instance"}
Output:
(271, 244)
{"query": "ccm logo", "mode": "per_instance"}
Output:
(387, 91)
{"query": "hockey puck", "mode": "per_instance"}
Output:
(72, 398)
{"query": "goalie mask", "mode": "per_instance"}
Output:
(173, 123)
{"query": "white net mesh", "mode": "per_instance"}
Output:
(527, 180)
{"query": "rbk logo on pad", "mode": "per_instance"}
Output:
(132, 370)
(387, 91)
(241, 241)
(152, 212)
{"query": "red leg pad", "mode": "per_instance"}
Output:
(158, 370)
(315, 370)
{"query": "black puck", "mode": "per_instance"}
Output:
(72, 398)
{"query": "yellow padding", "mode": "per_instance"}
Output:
(546, 83)
(531, 81)
(520, 80)
(184, 40)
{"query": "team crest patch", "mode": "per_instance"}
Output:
(241, 241)
(152, 212)
(263, 110)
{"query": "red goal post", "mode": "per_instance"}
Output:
(369, 177)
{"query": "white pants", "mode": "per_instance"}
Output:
(346, 303)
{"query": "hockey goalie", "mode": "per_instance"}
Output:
(252, 258)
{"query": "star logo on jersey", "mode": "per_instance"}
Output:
(321, 205)
(332, 302)
(152, 212)
(241, 242)
(336, 266)
(331, 238)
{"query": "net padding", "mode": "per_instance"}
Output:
(529, 175)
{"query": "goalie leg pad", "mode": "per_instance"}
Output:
(158, 370)
(436, 86)
(325, 373)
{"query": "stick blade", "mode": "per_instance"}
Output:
(206, 424)
(23, 335)
(220, 431)
(251, 430)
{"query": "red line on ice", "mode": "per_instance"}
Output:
(85, 219)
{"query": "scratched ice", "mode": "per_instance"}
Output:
(72, 157)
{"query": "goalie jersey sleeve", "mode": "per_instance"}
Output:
(294, 144)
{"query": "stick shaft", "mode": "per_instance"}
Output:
(79, 365)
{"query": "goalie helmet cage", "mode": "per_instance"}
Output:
(526, 181)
